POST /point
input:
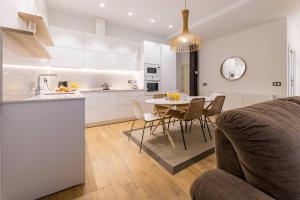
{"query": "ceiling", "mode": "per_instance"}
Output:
(208, 18)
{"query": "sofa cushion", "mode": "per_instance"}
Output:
(266, 138)
(220, 185)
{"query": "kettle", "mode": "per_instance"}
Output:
(105, 86)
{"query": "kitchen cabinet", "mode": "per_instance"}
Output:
(125, 103)
(66, 57)
(66, 38)
(43, 148)
(168, 69)
(100, 60)
(151, 52)
(102, 44)
(111, 106)
(110, 53)
(101, 106)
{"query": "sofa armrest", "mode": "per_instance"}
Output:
(220, 185)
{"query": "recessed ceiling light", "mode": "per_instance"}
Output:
(102, 5)
(170, 26)
(152, 20)
(130, 13)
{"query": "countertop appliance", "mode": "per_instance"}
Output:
(152, 69)
(105, 86)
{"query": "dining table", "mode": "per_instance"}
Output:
(169, 105)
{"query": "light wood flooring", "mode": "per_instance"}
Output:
(116, 170)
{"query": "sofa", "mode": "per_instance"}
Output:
(257, 153)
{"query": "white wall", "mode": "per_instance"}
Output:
(263, 48)
(293, 40)
(21, 81)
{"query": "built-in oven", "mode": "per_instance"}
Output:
(152, 70)
(152, 84)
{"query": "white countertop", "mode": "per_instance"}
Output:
(43, 97)
(111, 90)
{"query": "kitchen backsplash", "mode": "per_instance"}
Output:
(18, 81)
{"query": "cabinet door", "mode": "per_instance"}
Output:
(166, 51)
(151, 52)
(66, 57)
(99, 60)
(66, 38)
(94, 42)
(168, 69)
(96, 99)
(98, 114)
(101, 106)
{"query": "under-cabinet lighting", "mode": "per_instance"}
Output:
(87, 70)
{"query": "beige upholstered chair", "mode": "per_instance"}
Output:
(212, 111)
(194, 111)
(140, 115)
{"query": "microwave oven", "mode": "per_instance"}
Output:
(152, 70)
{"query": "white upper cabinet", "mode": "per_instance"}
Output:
(66, 38)
(68, 48)
(151, 52)
(66, 57)
(168, 69)
(110, 45)
(99, 60)
(109, 53)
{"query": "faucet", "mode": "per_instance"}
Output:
(38, 89)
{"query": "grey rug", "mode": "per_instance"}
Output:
(175, 160)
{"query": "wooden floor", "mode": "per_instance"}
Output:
(116, 170)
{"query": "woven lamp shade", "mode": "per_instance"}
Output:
(186, 41)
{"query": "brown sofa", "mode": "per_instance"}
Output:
(258, 154)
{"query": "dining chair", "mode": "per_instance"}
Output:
(212, 111)
(140, 115)
(193, 112)
(161, 109)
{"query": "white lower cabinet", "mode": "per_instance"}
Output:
(104, 107)
(101, 113)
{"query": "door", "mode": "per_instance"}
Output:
(291, 72)
(186, 79)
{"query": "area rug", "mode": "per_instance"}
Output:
(175, 160)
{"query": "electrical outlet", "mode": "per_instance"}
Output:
(276, 84)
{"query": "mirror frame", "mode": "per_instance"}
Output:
(221, 68)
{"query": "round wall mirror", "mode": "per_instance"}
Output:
(233, 68)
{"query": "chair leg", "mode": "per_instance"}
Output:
(141, 145)
(129, 135)
(203, 131)
(169, 123)
(185, 127)
(182, 133)
(207, 127)
(151, 126)
(191, 126)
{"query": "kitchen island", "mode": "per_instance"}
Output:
(43, 145)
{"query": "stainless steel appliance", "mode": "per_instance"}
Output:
(152, 84)
(105, 86)
(152, 70)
